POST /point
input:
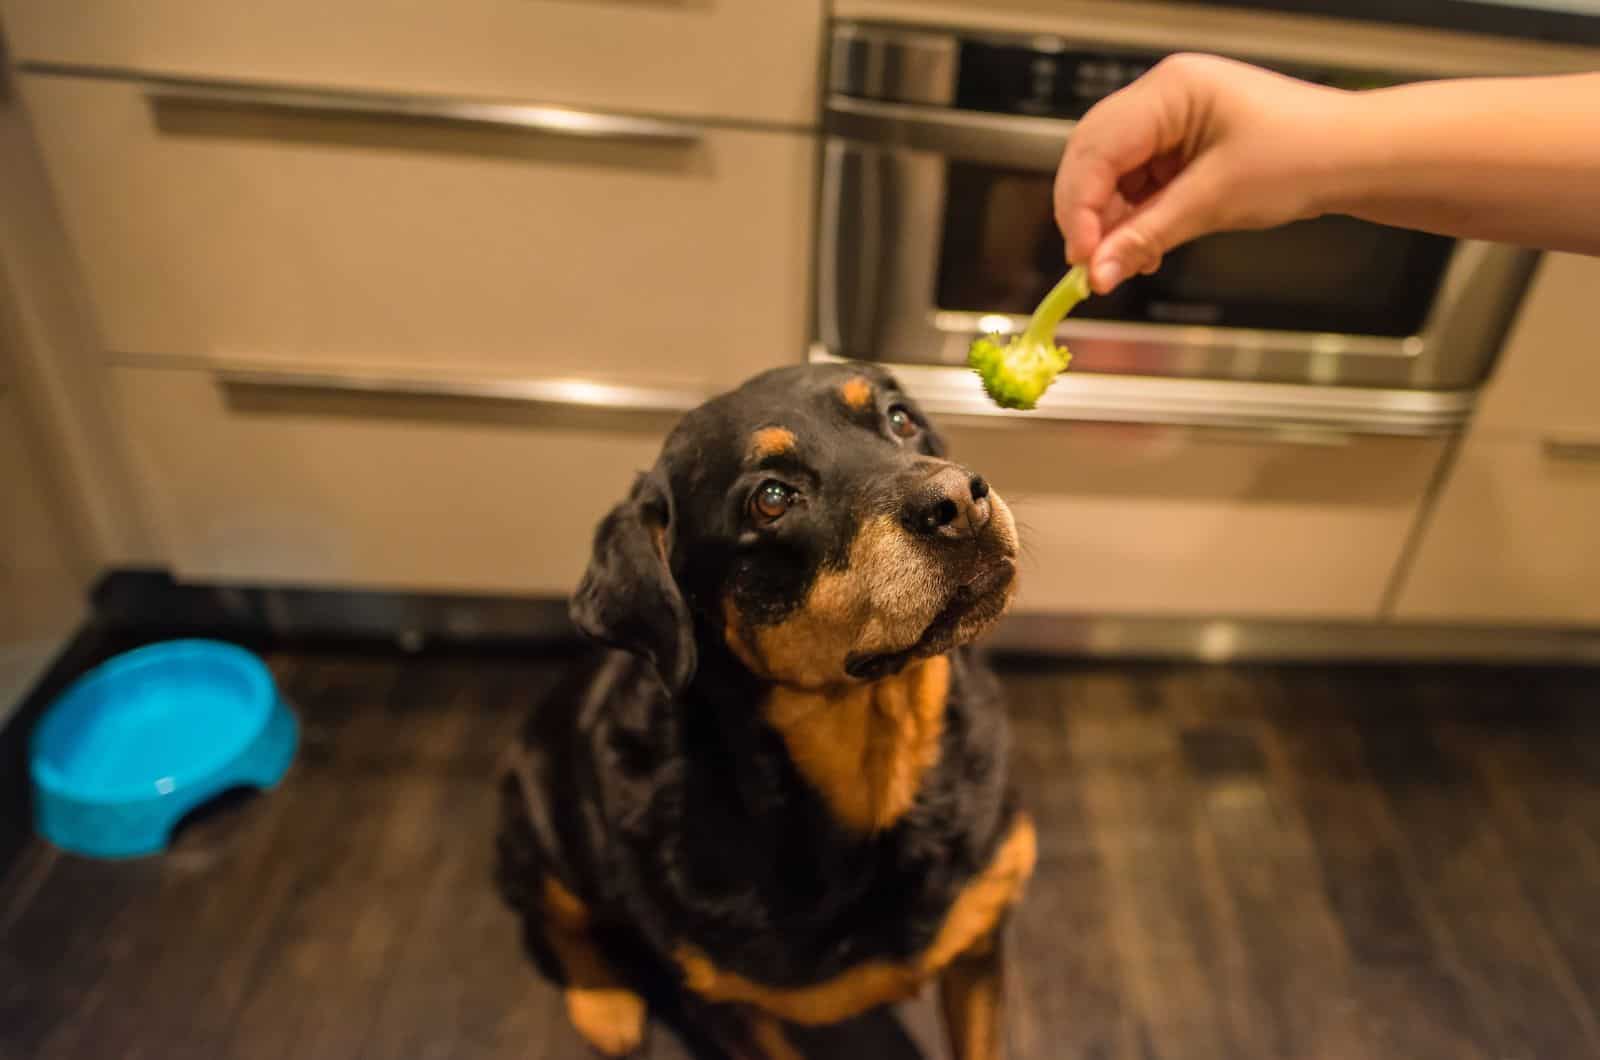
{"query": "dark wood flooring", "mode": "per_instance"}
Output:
(1234, 863)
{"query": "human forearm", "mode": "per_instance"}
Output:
(1511, 159)
(1203, 145)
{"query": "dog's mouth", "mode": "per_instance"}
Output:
(972, 608)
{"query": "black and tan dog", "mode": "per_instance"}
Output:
(784, 799)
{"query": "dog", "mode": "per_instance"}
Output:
(779, 797)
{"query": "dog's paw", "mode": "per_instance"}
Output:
(608, 1018)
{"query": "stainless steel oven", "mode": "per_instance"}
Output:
(937, 226)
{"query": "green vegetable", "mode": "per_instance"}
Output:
(1017, 373)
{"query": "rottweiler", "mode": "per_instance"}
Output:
(779, 797)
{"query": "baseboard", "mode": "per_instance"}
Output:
(153, 599)
(134, 607)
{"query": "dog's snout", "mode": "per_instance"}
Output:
(952, 504)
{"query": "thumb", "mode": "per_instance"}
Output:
(1179, 212)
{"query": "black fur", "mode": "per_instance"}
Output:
(662, 798)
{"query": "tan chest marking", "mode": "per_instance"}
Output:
(866, 748)
(972, 918)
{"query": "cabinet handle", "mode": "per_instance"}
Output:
(1570, 449)
(1267, 434)
(568, 392)
(533, 117)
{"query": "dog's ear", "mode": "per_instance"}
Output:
(628, 597)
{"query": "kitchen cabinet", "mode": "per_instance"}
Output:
(746, 60)
(238, 256)
(286, 486)
(1547, 379)
(229, 233)
(1513, 537)
(1149, 520)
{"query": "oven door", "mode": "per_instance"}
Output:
(936, 227)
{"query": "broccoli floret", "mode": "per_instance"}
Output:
(1017, 373)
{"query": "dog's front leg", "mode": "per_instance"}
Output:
(764, 1039)
(604, 1010)
(972, 994)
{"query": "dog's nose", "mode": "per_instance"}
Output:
(952, 504)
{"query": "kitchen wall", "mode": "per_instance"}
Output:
(291, 340)
(42, 575)
(67, 510)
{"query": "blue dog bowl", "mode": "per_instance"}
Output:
(147, 737)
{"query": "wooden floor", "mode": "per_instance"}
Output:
(1234, 863)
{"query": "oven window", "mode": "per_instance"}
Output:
(1001, 252)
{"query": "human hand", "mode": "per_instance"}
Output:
(1197, 145)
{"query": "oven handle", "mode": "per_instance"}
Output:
(1298, 413)
(999, 139)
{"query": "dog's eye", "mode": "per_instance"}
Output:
(770, 501)
(901, 423)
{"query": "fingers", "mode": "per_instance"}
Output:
(1108, 158)
(1133, 181)
(1179, 212)
(1102, 151)
(1196, 145)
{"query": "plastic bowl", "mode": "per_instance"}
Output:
(144, 739)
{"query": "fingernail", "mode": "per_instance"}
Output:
(1108, 275)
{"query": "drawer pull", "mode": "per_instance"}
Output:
(533, 117)
(1572, 450)
(569, 392)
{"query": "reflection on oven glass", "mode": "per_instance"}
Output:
(993, 221)
(1016, 215)
(1328, 260)
(1001, 253)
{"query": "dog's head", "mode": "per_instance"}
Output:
(811, 521)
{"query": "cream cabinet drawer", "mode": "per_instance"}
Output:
(230, 232)
(1548, 374)
(749, 59)
(1515, 536)
(1157, 521)
(269, 486)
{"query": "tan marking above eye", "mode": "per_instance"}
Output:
(856, 392)
(770, 441)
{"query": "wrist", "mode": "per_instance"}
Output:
(1362, 153)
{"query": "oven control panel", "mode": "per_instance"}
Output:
(1063, 80)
